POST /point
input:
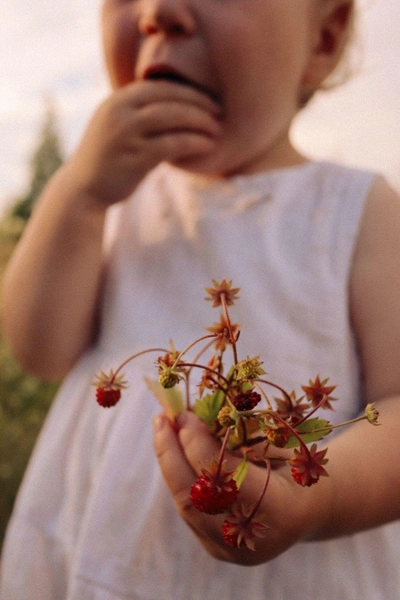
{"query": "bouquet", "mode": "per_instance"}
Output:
(233, 398)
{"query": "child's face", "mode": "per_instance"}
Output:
(252, 55)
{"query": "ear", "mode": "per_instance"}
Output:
(332, 32)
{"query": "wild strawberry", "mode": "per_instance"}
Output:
(213, 491)
(278, 436)
(107, 398)
(246, 400)
(249, 369)
(240, 530)
(318, 393)
(230, 533)
(108, 388)
(307, 465)
(372, 413)
(168, 378)
(222, 289)
(221, 329)
(227, 416)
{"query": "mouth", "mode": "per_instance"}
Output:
(165, 73)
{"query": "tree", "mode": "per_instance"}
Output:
(46, 159)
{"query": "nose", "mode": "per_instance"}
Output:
(170, 16)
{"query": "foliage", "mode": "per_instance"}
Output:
(24, 400)
(46, 159)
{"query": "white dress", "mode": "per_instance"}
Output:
(94, 520)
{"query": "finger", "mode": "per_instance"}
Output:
(146, 92)
(160, 118)
(180, 476)
(198, 444)
(176, 470)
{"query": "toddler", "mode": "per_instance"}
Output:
(186, 173)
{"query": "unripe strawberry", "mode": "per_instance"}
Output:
(278, 436)
(168, 378)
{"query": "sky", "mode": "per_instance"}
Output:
(52, 50)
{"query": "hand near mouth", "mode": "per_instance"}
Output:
(139, 126)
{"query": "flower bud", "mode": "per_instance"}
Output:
(372, 414)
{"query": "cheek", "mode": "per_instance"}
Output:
(119, 44)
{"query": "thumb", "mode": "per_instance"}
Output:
(176, 469)
(198, 444)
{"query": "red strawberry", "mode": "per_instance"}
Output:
(213, 493)
(107, 398)
(230, 534)
(108, 388)
(240, 530)
(246, 400)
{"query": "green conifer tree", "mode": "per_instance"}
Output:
(46, 159)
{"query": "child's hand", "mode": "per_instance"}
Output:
(290, 511)
(137, 127)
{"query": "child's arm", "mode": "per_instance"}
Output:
(362, 490)
(52, 285)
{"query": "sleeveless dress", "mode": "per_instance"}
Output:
(93, 519)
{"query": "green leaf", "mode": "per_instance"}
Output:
(310, 431)
(207, 408)
(171, 399)
(240, 472)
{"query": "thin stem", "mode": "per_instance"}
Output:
(195, 360)
(330, 427)
(293, 432)
(122, 365)
(196, 366)
(204, 337)
(258, 503)
(278, 387)
(222, 451)
(206, 347)
(187, 391)
(262, 392)
(308, 415)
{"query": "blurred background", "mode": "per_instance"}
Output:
(52, 78)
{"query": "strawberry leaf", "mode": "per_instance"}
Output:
(171, 399)
(240, 472)
(208, 407)
(311, 430)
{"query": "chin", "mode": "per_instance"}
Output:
(206, 166)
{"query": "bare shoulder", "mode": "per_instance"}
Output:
(375, 292)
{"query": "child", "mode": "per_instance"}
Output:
(197, 129)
